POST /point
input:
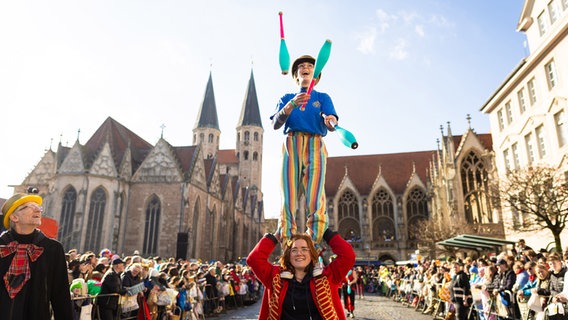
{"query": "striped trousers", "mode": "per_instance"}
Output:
(303, 172)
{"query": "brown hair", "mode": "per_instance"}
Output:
(285, 258)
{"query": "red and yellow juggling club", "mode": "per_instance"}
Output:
(321, 60)
(284, 55)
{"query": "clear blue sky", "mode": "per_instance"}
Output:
(397, 71)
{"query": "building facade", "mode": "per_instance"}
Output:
(528, 112)
(118, 191)
(377, 201)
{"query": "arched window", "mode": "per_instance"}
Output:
(117, 221)
(383, 217)
(65, 234)
(210, 138)
(255, 156)
(246, 155)
(201, 137)
(256, 136)
(194, 227)
(152, 225)
(96, 219)
(348, 216)
(247, 136)
(476, 190)
(416, 211)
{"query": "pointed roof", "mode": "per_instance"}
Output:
(207, 117)
(119, 138)
(250, 113)
(186, 156)
(396, 169)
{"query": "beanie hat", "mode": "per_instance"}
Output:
(79, 284)
(14, 202)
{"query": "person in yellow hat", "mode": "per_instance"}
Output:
(32, 266)
(304, 152)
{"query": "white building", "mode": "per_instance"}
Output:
(528, 112)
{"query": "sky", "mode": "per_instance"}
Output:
(398, 70)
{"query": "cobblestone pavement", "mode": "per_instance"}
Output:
(370, 307)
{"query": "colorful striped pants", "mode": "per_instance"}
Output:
(303, 171)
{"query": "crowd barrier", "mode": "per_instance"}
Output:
(86, 307)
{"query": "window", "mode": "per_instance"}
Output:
(522, 102)
(532, 91)
(475, 185)
(507, 159)
(256, 136)
(247, 136)
(552, 11)
(65, 233)
(540, 139)
(509, 111)
(561, 128)
(416, 211)
(95, 220)
(500, 119)
(550, 74)
(210, 138)
(152, 226)
(255, 156)
(515, 151)
(541, 23)
(530, 148)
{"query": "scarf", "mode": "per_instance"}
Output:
(19, 272)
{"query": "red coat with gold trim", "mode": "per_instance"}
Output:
(268, 274)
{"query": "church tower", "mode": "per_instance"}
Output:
(206, 131)
(249, 139)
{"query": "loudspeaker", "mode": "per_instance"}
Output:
(181, 245)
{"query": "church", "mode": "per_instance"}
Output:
(118, 191)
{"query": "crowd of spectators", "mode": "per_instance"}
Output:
(519, 283)
(110, 286)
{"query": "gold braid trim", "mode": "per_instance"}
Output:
(273, 298)
(324, 300)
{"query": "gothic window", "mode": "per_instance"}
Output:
(416, 210)
(210, 138)
(65, 234)
(96, 219)
(475, 188)
(194, 227)
(117, 221)
(246, 155)
(247, 136)
(348, 214)
(256, 136)
(255, 156)
(383, 217)
(152, 225)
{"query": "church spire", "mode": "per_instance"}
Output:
(250, 113)
(207, 117)
(206, 131)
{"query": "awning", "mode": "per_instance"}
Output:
(475, 242)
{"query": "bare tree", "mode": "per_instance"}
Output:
(430, 231)
(537, 198)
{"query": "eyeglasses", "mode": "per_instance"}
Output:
(295, 251)
(31, 206)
